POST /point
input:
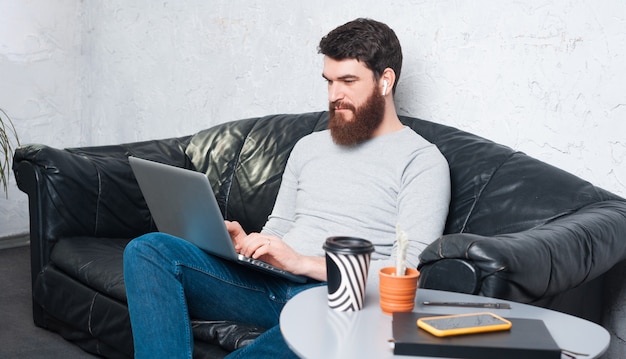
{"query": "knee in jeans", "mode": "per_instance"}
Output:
(144, 246)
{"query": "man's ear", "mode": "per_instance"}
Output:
(387, 81)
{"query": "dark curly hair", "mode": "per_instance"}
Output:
(368, 41)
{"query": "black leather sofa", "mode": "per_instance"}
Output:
(518, 229)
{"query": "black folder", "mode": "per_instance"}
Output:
(527, 338)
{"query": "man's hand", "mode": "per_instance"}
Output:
(237, 234)
(274, 251)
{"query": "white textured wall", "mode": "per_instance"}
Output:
(39, 84)
(545, 77)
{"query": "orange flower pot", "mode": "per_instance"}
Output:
(397, 293)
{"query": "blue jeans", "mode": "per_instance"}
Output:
(169, 280)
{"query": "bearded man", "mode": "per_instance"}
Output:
(363, 176)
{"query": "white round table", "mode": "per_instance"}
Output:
(313, 330)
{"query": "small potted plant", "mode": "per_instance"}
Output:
(398, 285)
(7, 135)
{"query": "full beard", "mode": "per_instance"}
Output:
(365, 121)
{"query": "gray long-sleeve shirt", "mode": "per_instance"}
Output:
(363, 191)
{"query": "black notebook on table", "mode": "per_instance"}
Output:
(527, 338)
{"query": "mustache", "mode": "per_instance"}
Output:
(340, 105)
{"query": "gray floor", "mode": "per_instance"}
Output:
(19, 337)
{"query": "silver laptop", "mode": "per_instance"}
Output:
(182, 204)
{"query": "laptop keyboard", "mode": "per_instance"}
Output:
(260, 263)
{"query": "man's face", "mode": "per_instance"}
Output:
(355, 104)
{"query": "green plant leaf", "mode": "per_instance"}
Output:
(7, 132)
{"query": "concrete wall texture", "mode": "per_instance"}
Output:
(545, 77)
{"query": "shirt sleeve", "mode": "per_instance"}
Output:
(281, 219)
(423, 202)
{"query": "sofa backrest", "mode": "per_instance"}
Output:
(495, 189)
(245, 160)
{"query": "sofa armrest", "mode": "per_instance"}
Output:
(544, 261)
(88, 191)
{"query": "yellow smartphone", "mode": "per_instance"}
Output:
(460, 324)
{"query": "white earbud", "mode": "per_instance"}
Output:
(384, 87)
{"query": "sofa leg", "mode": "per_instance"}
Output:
(39, 317)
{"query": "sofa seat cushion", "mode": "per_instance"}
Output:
(96, 322)
(95, 265)
(95, 262)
